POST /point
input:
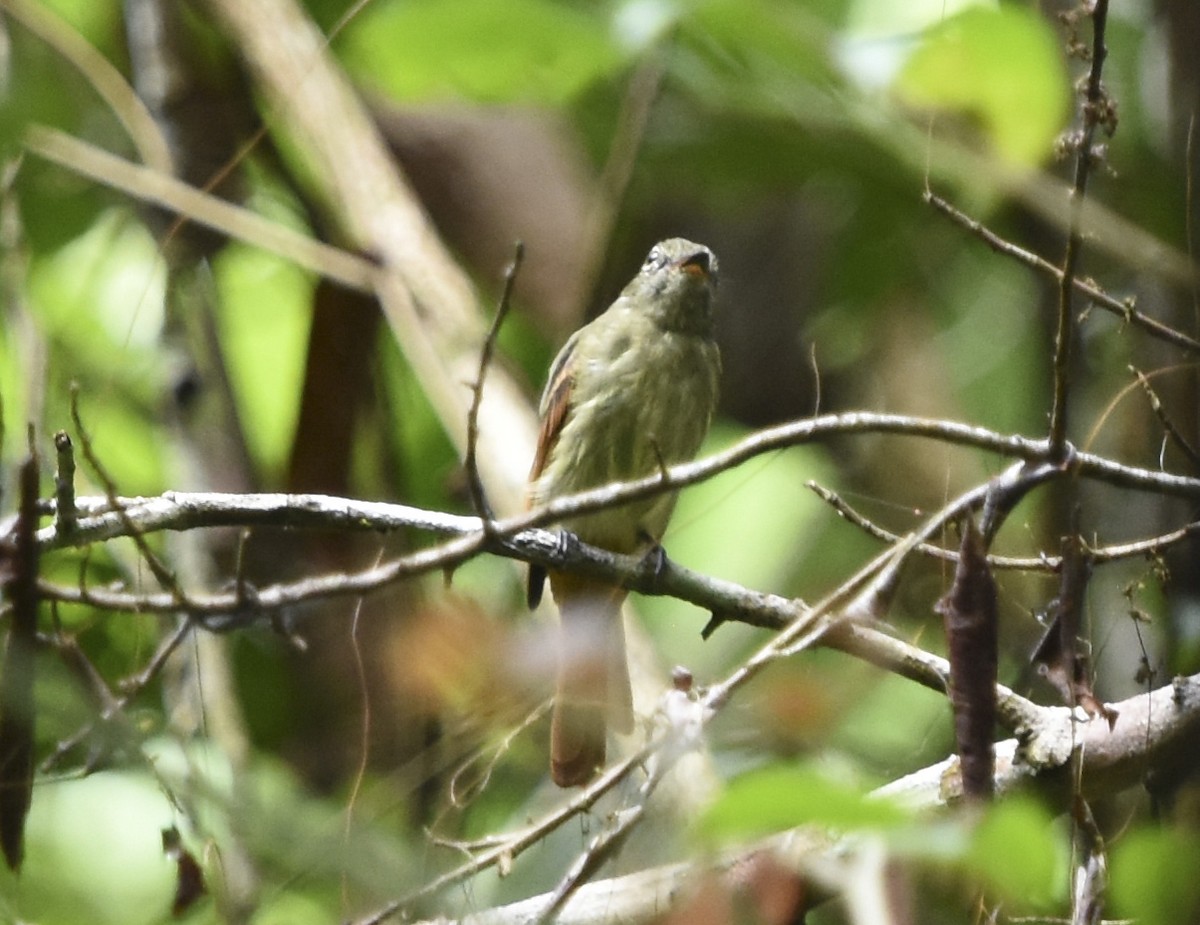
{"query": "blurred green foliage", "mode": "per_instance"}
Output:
(526, 50)
(1153, 875)
(795, 137)
(965, 64)
(777, 798)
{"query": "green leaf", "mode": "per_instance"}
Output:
(1153, 877)
(95, 853)
(1017, 848)
(264, 315)
(522, 50)
(770, 44)
(776, 798)
(1001, 66)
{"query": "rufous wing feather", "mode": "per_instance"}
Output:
(556, 406)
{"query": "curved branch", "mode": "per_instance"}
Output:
(106, 80)
(514, 537)
(1122, 308)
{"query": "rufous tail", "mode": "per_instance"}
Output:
(593, 678)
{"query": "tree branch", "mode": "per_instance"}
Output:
(1125, 309)
(183, 511)
(1094, 107)
(1149, 728)
(98, 521)
(427, 299)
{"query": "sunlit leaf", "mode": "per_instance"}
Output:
(1001, 66)
(264, 321)
(525, 50)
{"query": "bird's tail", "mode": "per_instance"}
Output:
(593, 678)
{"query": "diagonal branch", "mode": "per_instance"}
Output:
(1122, 308)
(428, 301)
(1150, 729)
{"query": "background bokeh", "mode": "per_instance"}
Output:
(796, 139)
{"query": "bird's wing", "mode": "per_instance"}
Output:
(554, 409)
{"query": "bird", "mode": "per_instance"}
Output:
(629, 393)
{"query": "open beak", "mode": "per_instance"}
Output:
(696, 265)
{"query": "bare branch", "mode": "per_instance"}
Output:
(161, 189)
(106, 519)
(1095, 109)
(1173, 432)
(471, 461)
(1123, 308)
(1149, 728)
(178, 511)
(1040, 563)
(157, 567)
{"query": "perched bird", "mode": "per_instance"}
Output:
(630, 392)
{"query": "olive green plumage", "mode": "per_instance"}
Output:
(630, 392)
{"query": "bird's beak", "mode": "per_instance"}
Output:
(696, 264)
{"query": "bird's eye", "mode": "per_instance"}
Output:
(656, 259)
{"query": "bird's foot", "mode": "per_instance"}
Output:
(654, 563)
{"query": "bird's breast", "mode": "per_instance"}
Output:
(643, 403)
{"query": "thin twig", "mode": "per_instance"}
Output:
(996, 497)
(1094, 104)
(868, 526)
(64, 486)
(1122, 308)
(235, 222)
(108, 82)
(1172, 431)
(130, 688)
(604, 846)
(474, 480)
(1042, 563)
(517, 842)
(160, 571)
